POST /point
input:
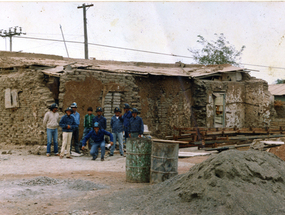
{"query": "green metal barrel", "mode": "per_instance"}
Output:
(138, 158)
(164, 161)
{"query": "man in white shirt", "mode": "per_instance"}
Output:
(51, 122)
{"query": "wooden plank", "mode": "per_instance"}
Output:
(170, 141)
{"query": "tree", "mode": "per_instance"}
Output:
(216, 52)
(280, 81)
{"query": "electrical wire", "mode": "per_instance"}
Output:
(136, 50)
(108, 46)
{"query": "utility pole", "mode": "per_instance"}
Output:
(13, 31)
(85, 27)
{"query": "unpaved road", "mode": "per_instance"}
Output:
(34, 184)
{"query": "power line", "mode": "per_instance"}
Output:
(139, 50)
(108, 46)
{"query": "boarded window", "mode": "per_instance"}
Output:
(11, 98)
(219, 111)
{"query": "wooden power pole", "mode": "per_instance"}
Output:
(13, 31)
(85, 27)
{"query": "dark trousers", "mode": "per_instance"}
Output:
(75, 139)
(126, 136)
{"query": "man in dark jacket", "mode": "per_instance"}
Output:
(126, 118)
(117, 131)
(67, 123)
(136, 125)
(100, 119)
(97, 135)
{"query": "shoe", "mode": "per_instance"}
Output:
(69, 157)
(123, 155)
(48, 155)
(94, 158)
(111, 155)
(102, 159)
(78, 152)
(56, 154)
(61, 157)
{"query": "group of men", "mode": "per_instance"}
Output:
(94, 129)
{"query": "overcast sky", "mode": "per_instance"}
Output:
(166, 27)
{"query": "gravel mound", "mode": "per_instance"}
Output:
(82, 185)
(232, 182)
(41, 180)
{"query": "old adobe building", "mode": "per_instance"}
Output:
(166, 94)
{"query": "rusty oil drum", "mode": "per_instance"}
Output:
(164, 161)
(138, 158)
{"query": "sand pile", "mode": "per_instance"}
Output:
(232, 182)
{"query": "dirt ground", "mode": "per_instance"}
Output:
(36, 184)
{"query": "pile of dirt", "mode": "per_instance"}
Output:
(41, 180)
(82, 185)
(232, 182)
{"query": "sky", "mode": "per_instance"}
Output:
(164, 27)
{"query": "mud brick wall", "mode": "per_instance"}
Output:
(23, 124)
(247, 103)
(165, 102)
(258, 103)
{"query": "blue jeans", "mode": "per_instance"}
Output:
(94, 149)
(85, 132)
(52, 134)
(120, 140)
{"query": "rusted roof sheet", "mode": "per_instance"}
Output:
(277, 89)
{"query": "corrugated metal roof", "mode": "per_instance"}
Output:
(277, 89)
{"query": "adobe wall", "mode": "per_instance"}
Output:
(247, 103)
(23, 123)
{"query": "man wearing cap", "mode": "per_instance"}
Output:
(136, 125)
(117, 131)
(126, 118)
(51, 120)
(100, 119)
(67, 123)
(97, 135)
(75, 133)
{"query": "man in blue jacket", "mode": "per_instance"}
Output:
(97, 135)
(126, 118)
(136, 125)
(117, 131)
(100, 119)
(67, 123)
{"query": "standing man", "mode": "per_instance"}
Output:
(97, 135)
(67, 123)
(51, 121)
(88, 123)
(100, 119)
(136, 125)
(126, 118)
(75, 133)
(117, 125)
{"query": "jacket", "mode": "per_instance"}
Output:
(67, 120)
(136, 125)
(117, 125)
(88, 119)
(76, 118)
(97, 138)
(126, 118)
(51, 120)
(102, 121)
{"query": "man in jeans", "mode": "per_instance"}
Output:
(75, 133)
(117, 125)
(97, 135)
(51, 120)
